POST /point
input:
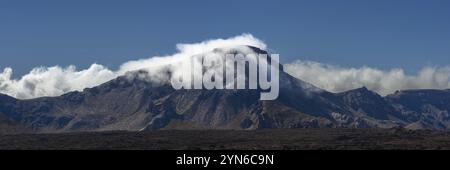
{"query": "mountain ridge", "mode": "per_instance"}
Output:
(132, 103)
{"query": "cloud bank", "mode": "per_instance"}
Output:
(55, 81)
(384, 82)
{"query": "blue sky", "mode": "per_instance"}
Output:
(386, 34)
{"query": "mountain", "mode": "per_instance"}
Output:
(423, 108)
(133, 102)
(372, 107)
(8, 125)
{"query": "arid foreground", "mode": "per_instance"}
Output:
(242, 140)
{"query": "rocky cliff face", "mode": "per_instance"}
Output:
(132, 102)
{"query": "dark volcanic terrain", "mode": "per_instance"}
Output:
(286, 139)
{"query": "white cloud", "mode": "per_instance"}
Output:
(339, 79)
(54, 81)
